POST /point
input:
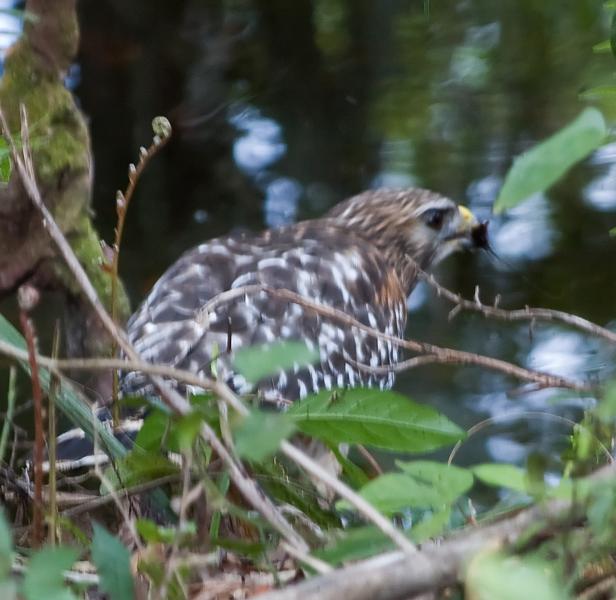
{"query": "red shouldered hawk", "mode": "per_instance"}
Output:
(360, 258)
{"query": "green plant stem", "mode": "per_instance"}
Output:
(10, 411)
(51, 450)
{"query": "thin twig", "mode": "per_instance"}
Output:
(171, 397)
(317, 564)
(27, 299)
(433, 353)
(522, 314)
(393, 575)
(477, 427)
(97, 502)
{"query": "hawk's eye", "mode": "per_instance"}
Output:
(434, 217)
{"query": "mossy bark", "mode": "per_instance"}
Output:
(34, 72)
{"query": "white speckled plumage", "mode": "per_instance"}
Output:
(355, 260)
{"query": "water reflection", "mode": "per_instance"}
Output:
(348, 95)
(526, 232)
(260, 143)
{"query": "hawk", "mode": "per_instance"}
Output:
(360, 258)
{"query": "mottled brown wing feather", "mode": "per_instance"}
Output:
(319, 260)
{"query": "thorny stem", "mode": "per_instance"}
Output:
(162, 134)
(521, 314)
(28, 298)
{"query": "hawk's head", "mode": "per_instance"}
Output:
(413, 223)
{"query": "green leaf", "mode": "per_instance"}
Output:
(363, 542)
(423, 484)
(500, 577)
(6, 165)
(603, 47)
(185, 430)
(352, 472)
(613, 232)
(599, 92)
(355, 544)
(151, 532)
(44, 576)
(448, 480)
(431, 526)
(112, 561)
(392, 493)
(536, 170)
(383, 419)
(260, 434)
(503, 475)
(257, 362)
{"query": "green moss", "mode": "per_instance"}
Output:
(61, 154)
(86, 245)
(58, 133)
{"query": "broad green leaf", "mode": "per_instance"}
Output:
(431, 525)
(536, 170)
(613, 232)
(44, 576)
(151, 532)
(260, 434)
(393, 492)
(383, 419)
(112, 561)
(257, 362)
(500, 577)
(450, 481)
(603, 47)
(363, 542)
(153, 432)
(513, 478)
(422, 485)
(185, 430)
(599, 92)
(503, 475)
(352, 472)
(355, 544)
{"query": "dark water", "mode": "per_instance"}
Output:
(280, 109)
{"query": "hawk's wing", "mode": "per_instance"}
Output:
(318, 260)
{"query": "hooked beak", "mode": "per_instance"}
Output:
(471, 230)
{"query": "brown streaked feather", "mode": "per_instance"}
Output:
(360, 258)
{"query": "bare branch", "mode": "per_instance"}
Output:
(223, 391)
(394, 576)
(435, 354)
(522, 314)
